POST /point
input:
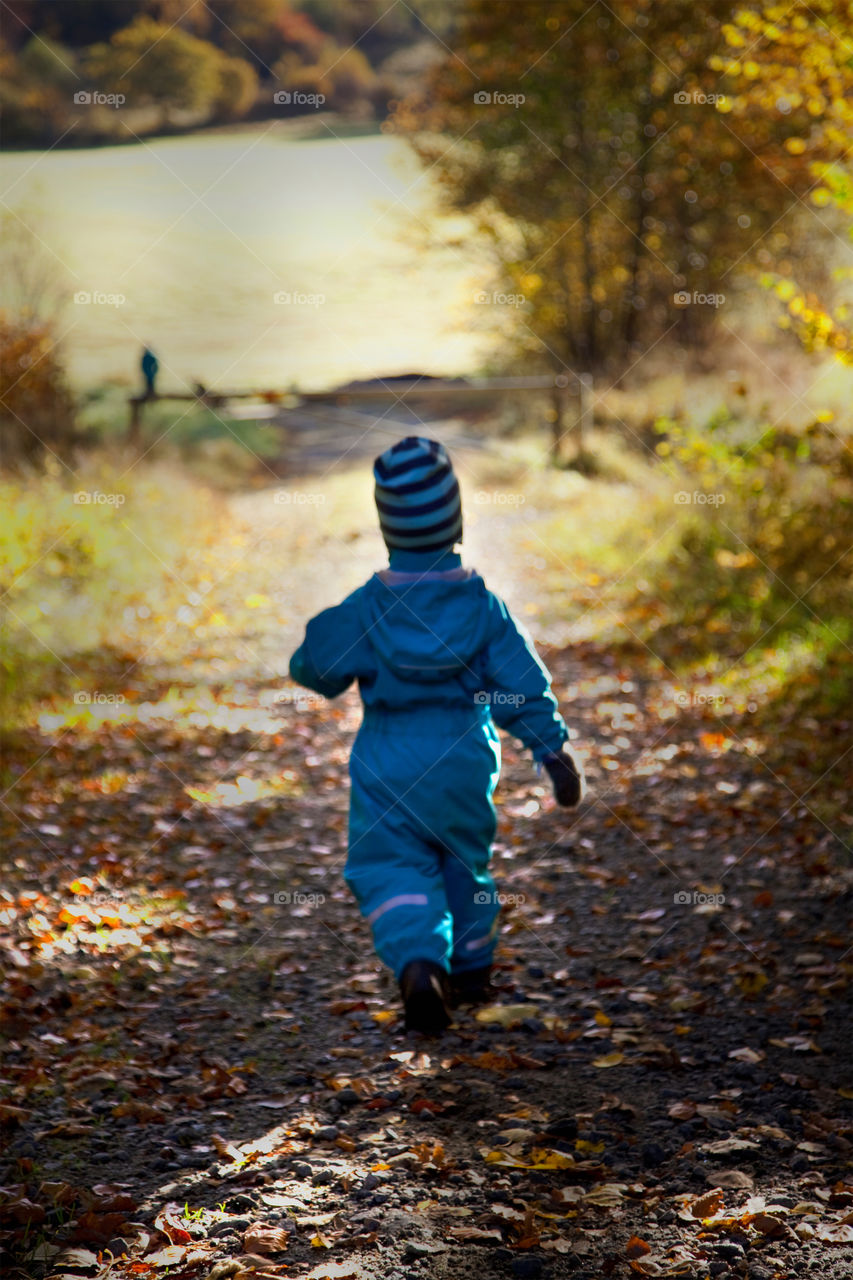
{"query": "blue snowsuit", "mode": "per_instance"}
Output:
(440, 661)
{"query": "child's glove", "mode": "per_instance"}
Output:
(567, 777)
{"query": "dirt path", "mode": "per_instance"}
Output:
(195, 1017)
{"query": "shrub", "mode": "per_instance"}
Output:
(36, 406)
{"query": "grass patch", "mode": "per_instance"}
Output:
(85, 561)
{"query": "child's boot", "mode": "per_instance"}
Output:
(424, 988)
(472, 986)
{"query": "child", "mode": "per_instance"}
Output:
(440, 661)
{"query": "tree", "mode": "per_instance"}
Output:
(249, 28)
(794, 63)
(151, 63)
(600, 168)
(344, 77)
(237, 89)
(36, 404)
(36, 88)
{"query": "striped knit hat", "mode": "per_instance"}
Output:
(417, 496)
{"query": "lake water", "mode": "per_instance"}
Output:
(199, 234)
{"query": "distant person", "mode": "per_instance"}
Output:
(150, 366)
(440, 661)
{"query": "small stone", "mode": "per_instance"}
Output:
(730, 1250)
(534, 1026)
(230, 1224)
(241, 1201)
(416, 1249)
(327, 1133)
(118, 1246)
(323, 1177)
(567, 1127)
(653, 1154)
(527, 1268)
(301, 1169)
(347, 1097)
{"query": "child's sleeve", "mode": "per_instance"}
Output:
(334, 652)
(519, 686)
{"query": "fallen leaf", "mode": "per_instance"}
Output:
(168, 1257)
(334, 1271)
(263, 1239)
(834, 1232)
(426, 1104)
(98, 1228)
(226, 1148)
(78, 1259)
(609, 1060)
(727, 1146)
(707, 1205)
(507, 1015)
(606, 1196)
(475, 1235)
(225, 1269)
(168, 1221)
(682, 1110)
(730, 1179)
(769, 1225)
(747, 1055)
(636, 1248)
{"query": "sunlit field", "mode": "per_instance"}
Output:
(197, 235)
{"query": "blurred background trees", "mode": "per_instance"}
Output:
(613, 159)
(799, 63)
(197, 61)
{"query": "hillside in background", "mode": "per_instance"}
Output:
(77, 71)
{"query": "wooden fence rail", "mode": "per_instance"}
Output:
(563, 388)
